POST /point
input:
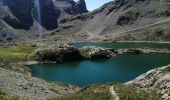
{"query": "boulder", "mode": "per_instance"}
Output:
(93, 52)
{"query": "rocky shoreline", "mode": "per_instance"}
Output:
(61, 54)
(27, 87)
(157, 79)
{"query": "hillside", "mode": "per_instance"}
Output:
(119, 17)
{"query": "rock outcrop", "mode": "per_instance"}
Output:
(158, 79)
(64, 52)
(6, 34)
(58, 54)
(97, 53)
(67, 53)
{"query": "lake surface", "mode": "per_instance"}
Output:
(122, 69)
(119, 45)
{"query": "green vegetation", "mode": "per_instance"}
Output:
(132, 92)
(93, 92)
(16, 53)
(6, 96)
(102, 92)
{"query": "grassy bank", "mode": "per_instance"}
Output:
(16, 53)
(93, 92)
(7, 96)
(101, 92)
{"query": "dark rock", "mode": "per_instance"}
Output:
(21, 9)
(58, 55)
(49, 15)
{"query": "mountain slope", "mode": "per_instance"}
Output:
(117, 17)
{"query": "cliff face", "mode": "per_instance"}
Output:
(70, 7)
(21, 9)
(22, 13)
(48, 15)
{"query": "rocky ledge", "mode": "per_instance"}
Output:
(157, 79)
(63, 53)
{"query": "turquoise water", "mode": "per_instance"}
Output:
(123, 45)
(122, 69)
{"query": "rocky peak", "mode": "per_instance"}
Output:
(71, 7)
(81, 6)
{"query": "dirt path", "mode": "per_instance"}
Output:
(113, 93)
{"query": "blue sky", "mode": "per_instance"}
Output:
(93, 4)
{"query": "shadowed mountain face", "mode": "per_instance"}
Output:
(21, 14)
(48, 15)
(21, 10)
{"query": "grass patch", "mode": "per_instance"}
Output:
(130, 92)
(94, 92)
(16, 53)
(6, 96)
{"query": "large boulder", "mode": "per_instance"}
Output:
(7, 35)
(93, 52)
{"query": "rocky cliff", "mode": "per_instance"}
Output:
(21, 14)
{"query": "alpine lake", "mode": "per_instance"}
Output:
(122, 69)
